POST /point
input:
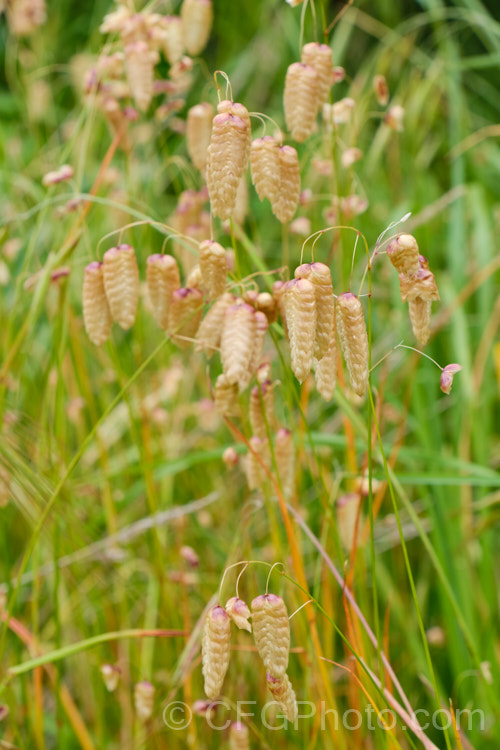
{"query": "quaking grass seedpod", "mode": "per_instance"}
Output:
(320, 276)
(185, 314)
(215, 650)
(262, 409)
(289, 187)
(261, 326)
(198, 133)
(96, 315)
(279, 290)
(404, 255)
(319, 57)
(121, 283)
(144, 696)
(301, 100)
(422, 286)
(237, 343)
(285, 460)
(173, 38)
(226, 397)
(239, 613)
(213, 267)
(227, 160)
(258, 459)
(420, 317)
(354, 340)
(347, 511)
(300, 306)
(265, 167)
(239, 738)
(265, 303)
(325, 371)
(284, 695)
(140, 62)
(111, 676)
(210, 331)
(197, 18)
(162, 278)
(271, 630)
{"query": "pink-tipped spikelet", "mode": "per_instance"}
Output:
(140, 61)
(321, 278)
(239, 613)
(301, 100)
(239, 738)
(96, 315)
(289, 187)
(420, 317)
(237, 343)
(423, 285)
(264, 302)
(319, 57)
(144, 696)
(213, 267)
(185, 314)
(446, 380)
(354, 340)
(284, 695)
(121, 282)
(300, 306)
(271, 630)
(210, 331)
(198, 133)
(262, 409)
(265, 167)
(227, 157)
(215, 650)
(111, 676)
(162, 277)
(403, 254)
(197, 18)
(226, 397)
(285, 460)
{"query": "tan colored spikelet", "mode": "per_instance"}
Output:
(185, 314)
(226, 397)
(262, 409)
(215, 650)
(173, 38)
(96, 315)
(25, 16)
(346, 512)
(210, 330)
(239, 613)
(240, 210)
(144, 697)
(279, 290)
(257, 458)
(420, 316)
(197, 18)
(325, 371)
(140, 61)
(284, 695)
(301, 100)
(265, 167)
(213, 267)
(289, 190)
(239, 738)
(121, 282)
(198, 133)
(111, 676)
(194, 279)
(300, 306)
(162, 277)
(227, 161)
(261, 326)
(320, 276)
(265, 302)
(237, 343)
(285, 461)
(381, 90)
(271, 630)
(354, 340)
(404, 255)
(319, 57)
(423, 285)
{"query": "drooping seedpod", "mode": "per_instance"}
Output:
(347, 508)
(162, 277)
(420, 317)
(215, 650)
(300, 306)
(284, 695)
(140, 61)
(240, 210)
(25, 16)
(285, 460)
(213, 267)
(265, 167)
(237, 343)
(257, 460)
(422, 285)
(185, 314)
(264, 302)
(239, 738)
(239, 613)
(197, 18)
(289, 186)
(173, 38)
(325, 371)
(320, 276)
(319, 57)
(279, 290)
(144, 696)
(210, 331)
(121, 283)
(381, 90)
(194, 279)
(301, 100)
(111, 676)
(96, 315)
(227, 158)
(262, 409)
(261, 326)
(404, 255)
(271, 630)
(198, 133)
(226, 397)
(354, 340)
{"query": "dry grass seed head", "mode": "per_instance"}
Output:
(420, 317)
(254, 468)
(240, 210)
(300, 306)
(325, 371)
(185, 314)
(265, 167)
(271, 629)
(262, 409)
(198, 133)
(215, 650)
(381, 90)
(239, 613)
(261, 326)
(121, 282)
(144, 697)
(162, 278)
(173, 38)
(354, 340)
(239, 738)
(319, 57)
(237, 342)
(346, 513)
(301, 100)
(265, 303)
(197, 18)
(226, 397)
(403, 254)
(285, 461)
(210, 331)
(227, 161)
(279, 290)
(140, 62)
(289, 187)
(96, 315)
(284, 695)
(423, 285)
(213, 266)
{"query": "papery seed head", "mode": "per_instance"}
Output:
(301, 100)
(199, 132)
(227, 158)
(209, 333)
(240, 210)
(354, 340)
(283, 693)
(420, 317)
(422, 285)
(262, 409)
(111, 676)
(350, 156)
(140, 61)
(394, 117)
(96, 314)
(325, 371)
(271, 629)
(381, 90)
(289, 186)
(197, 18)
(321, 278)
(237, 343)
(226, 397)
(266, 304)
(121, 283)
(231, 458)
(194, 279)
(346, 513)
(261, 326)
(319, 57)
(239, 738)
(300, 307)
(213, 266)
(215, 650)
(265, 167)
(285, 460)
(185, 314)
(162, 277)
(239, 613)
(173, 38)
(144, 696)
(403, 254)
(258, 457)
(25, 16)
